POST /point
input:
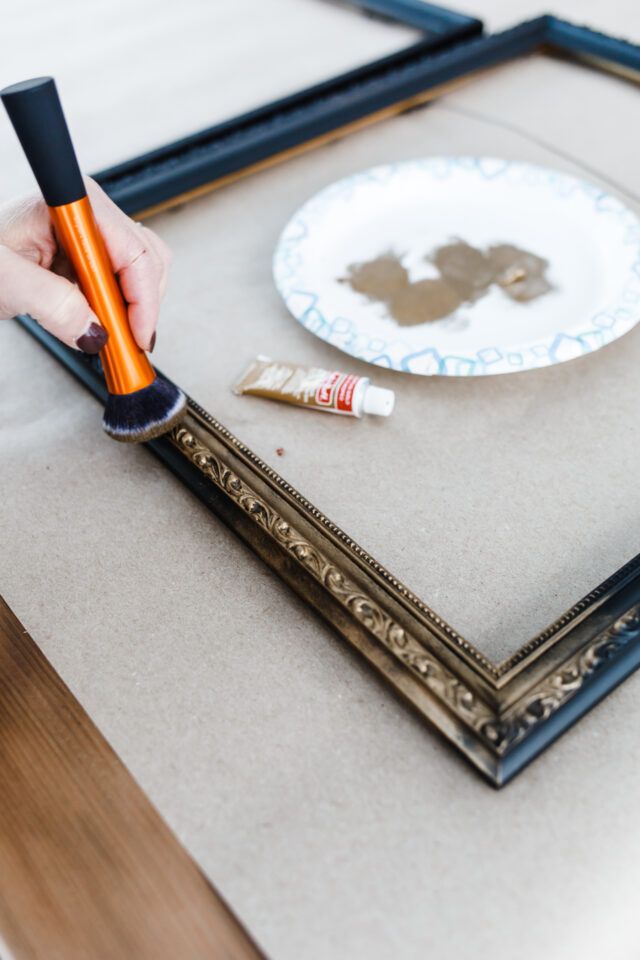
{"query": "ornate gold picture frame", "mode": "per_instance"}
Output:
(499, 715)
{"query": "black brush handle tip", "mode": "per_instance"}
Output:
(35, 111)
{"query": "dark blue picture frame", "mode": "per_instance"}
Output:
(161, 174)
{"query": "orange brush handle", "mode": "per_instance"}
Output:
(126, 367)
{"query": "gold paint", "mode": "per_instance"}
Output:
(423, 302)
(465, 268)
(466, 275)
(379, 279)
(385, 279)
(520, 274)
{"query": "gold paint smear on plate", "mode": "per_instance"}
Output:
(466, 274)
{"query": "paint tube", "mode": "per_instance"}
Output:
(315, 388)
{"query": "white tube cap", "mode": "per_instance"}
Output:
(378, 400)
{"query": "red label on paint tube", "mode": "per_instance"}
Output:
(336, 391)
(344, 399)
(326, 391)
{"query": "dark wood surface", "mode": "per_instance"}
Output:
(88, 869)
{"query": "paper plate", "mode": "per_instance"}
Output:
(589, 239)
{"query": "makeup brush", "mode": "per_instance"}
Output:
(141, 405)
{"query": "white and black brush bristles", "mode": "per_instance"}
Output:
(145, 414)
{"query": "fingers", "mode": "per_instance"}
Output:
(53, 301)
(27, 244)
(162, 252)
(140, 259)
(25, 226)
(141, 282)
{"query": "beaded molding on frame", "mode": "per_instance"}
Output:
(552, 693)
(359, 604)
(498, 729)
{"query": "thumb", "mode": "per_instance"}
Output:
(56, 303)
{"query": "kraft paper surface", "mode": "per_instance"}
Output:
(335, 823)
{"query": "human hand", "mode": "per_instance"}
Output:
(31, 268)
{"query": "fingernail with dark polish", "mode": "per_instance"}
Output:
(152, 342)
(93, 340)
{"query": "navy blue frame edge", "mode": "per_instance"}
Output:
(416, 13)
(610, 631)
(250, 138)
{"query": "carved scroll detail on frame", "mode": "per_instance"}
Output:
(560, 687)
(353, 548)
(501, 735)
(436, 678)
